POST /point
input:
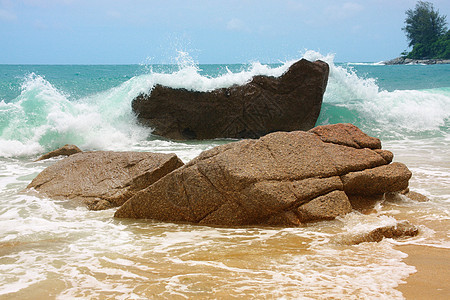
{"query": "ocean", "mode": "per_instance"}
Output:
(59, 249)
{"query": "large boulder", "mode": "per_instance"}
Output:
(283, 178)
(103, 179)
(266, 104)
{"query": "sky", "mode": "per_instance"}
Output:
(214, 31)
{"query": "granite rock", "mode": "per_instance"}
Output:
(283, 178)
(103, 179)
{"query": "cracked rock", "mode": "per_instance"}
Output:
(103, 179)
(283, 178)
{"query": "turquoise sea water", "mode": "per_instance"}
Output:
(63, 251)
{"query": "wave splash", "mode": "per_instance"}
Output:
(43, 118)
(398, 114)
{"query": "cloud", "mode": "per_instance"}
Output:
(46, 3)
(7, 15)
(343, 11)
(237, 25)
(296, 6)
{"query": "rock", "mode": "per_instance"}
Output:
(400, 230)
(396, 61)
(283, 178)
(65, 150)
(410, 61)
(416, 196)
(103, 179)
(383, 179)
(365, 203)
(326, 207)
(347, 135)
(266, 104)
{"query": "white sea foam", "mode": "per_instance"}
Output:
(397, 113)
(413, 111)
(380, 63)
(84, 254)
(42, 118)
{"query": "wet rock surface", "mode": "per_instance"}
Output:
(402, 229)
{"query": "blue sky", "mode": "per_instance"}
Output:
(215, 31)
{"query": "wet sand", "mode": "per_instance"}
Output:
(432, 279)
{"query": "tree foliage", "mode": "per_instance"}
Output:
(440, 49)
(426, 31)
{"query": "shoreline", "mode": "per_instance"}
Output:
(431, 281)
(410, 61)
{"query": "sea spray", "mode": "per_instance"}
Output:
(42, 118)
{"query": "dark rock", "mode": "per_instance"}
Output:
(65, 150)
(103, 179)
(410, 61)
(283, 178)
(266, 104)
(365, 203)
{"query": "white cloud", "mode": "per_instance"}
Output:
(343, 11)
(7, 15)
(45, 3)
(237, 25)
(296, 6)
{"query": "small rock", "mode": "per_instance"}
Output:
(400, 230)
(65, 150)
(417, 196)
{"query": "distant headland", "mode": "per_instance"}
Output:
(428, 35)
(412, 61)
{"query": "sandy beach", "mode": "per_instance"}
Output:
(432, 279)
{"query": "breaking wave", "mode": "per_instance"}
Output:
(44, 117)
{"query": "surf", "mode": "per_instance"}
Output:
(44, 117)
